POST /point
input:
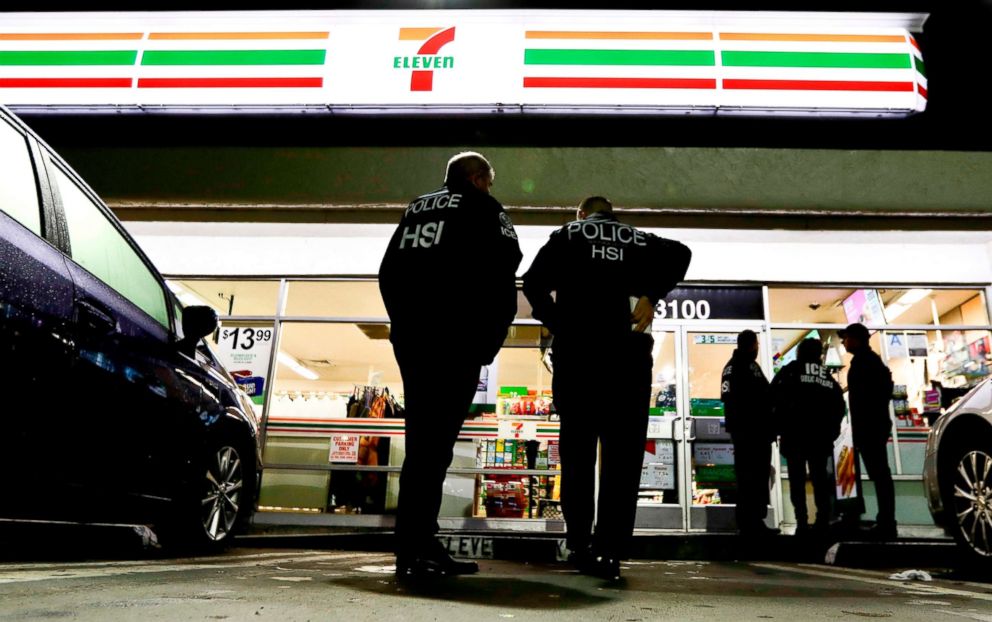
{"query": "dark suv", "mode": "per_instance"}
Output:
(114, 407)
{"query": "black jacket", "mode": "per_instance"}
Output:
(594, 266)
(809, 406)
(746, 399)
(869, 385)
(448, 278)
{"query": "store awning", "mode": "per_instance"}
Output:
(464, 62)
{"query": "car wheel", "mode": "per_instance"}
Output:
(970, 502)
(223, 486)
(216, 504)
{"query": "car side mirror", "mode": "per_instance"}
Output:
(198, 322)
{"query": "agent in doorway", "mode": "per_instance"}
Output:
(809, 406)
(869, 385)
(748, 411)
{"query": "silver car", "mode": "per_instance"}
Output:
(957, 473)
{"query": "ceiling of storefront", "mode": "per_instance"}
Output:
(687, 187)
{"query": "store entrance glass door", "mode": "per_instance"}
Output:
(709, 456)
(660, 503)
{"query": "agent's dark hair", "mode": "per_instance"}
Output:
(462, 167)
(810, 350)
(746, 339)
(592, 205)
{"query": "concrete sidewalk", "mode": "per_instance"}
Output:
(845, 551)
(48, 540)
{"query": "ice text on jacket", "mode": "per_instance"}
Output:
(816, 374)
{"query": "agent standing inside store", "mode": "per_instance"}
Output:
(598, 269)
(809, 406)
(869, 385)
(748, 410)
(448, 281)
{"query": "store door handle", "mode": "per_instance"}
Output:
(690, 423)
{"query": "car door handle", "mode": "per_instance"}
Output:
(95, 319)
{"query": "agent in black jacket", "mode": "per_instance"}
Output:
(448, 280)
(809, 407)
(598, 268)
(748, 411)
(869, 385)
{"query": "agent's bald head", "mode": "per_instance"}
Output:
(469, 168)
(594, 205)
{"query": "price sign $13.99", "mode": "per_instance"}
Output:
(243, 338)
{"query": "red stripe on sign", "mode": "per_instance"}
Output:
(916, 45)
(65, 83)
(620, 83)
(422, 81)
(922, 91)
(816, 85)
(228, 83)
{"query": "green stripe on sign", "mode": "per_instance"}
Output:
(121, 57)
(843, 60)
(920, 66)
(620, 57)
(234, 57)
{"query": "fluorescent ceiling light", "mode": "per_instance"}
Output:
(297, 366)
(907, 300)
(913, 296)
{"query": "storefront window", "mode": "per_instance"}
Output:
(240, 298)
(878, 306)
(355, 299)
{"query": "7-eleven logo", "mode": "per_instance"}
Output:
(427, 58)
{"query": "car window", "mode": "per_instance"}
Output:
(99, 247)
(18, 190)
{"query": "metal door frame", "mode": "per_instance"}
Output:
(686, 435)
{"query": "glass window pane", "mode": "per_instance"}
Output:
(229, 297)
(907, 306)
(334, 299)
(713, 478)
(18, 192)
(808, 305)
(923, 305)
(325, 372)
(99, 247)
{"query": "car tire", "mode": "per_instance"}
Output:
(966, 485)
(217, 503)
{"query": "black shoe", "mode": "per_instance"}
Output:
(607, 568)
(803, 530)
(434, 563)
(582, 559)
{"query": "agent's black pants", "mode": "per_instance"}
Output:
(874, 453)
(752, 464)
(603, 400)
(818, 461)
(438, 390)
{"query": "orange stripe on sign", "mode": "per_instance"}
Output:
(417, 34)
(757, 36)
(69, 36)
(590, 34)
(237, 35)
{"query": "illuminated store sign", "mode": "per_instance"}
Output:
(511, 61)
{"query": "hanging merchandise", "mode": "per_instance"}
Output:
(358, 491)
